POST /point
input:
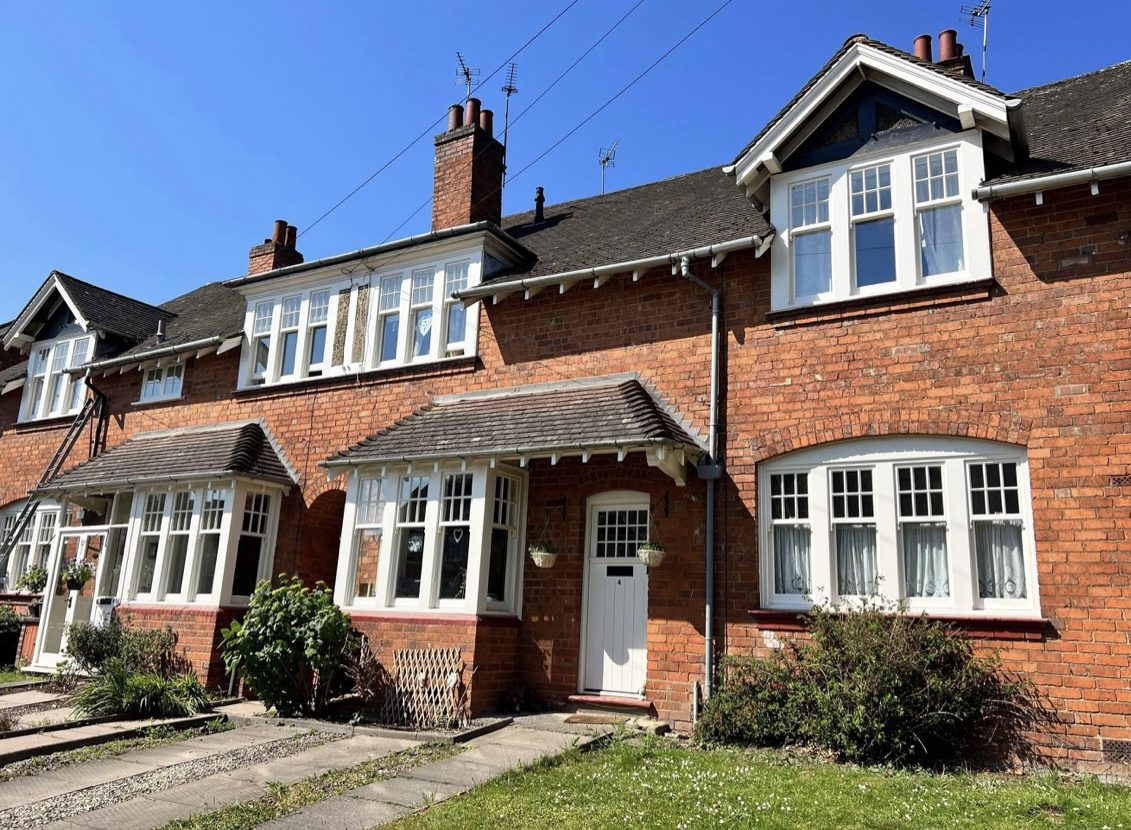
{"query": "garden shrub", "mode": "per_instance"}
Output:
(871, 686)
(145, 651)
(290, 645)
(118, 690)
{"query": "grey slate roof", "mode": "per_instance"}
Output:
(602, 412)
(213, 310)
(654, 219)
(12, 373)
(244, 449)
(112, 312)
(1076, 123)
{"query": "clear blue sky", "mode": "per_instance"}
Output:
(145, 146)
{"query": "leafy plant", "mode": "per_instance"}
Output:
(290, 645)
(34, 580)
(9, 620)
(147, 651)
(118, 691)
(542, 547)
(76, 572)
(871, 686)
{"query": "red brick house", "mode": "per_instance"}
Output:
(884, 351)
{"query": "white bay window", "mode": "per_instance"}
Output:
(879, 223)
(453, 540)
(33, 546)
(941, 524)
(53, 389)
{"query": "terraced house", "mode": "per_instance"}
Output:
(884, 351)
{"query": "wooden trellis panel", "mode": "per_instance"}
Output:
(429, 689)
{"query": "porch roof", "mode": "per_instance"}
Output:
(616, 413)
(243, 449)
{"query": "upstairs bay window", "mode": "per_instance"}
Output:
(51, 391)
(446, 540)
(376, 321)
(868, 226)
(942, 525)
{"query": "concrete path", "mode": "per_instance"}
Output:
(486, 758)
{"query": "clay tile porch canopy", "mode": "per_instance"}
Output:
(611, 414)
(243, 450)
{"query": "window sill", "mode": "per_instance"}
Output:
(155, 401)
(868, 305)
(987, 627)
(384, 374)
(53, 422)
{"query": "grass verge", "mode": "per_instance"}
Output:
(283, 799)
(10, 674)
(154, 736)
(653, 784)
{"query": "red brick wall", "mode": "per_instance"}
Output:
(199, 634)
(468, 178)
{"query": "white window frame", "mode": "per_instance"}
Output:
(168, 381)
(363, 320)
(480, 524)
(905, 210)
(884, 456)
(57, 361)
(38, 537)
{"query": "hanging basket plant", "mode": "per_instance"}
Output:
(543, 555)
(651, 554)
(75, 575)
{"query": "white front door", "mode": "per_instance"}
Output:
(616, 603)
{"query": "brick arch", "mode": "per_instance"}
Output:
(1005, 427)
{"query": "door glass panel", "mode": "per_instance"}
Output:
(620, 533)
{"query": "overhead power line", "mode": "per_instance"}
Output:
(436, 123)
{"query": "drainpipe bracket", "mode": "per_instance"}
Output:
(708, 469)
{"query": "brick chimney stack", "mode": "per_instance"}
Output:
(277, 252)
(468, 183)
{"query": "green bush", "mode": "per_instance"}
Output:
(872, 687)
(34, 580)
(290, 645)
(117, 690)
(9, 620)
(140, 650)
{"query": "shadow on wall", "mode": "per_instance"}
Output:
(309, 535)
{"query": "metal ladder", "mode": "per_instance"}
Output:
(94, 408)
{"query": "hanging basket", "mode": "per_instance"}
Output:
(543, 556)
(651, 554)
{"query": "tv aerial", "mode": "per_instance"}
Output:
(979, 15)
(607, 156)
(466, 75)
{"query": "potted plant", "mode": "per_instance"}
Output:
(544, 555)
(75, 575)
(34, 580)
(651, 554)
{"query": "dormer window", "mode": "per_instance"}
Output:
(867, 226)
(385, 319)
(51, 391)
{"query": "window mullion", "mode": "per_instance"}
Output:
(887, 533)
(960, 534)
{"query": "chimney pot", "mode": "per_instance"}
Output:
(487, 121)
(948, 44)
(539, 201)
(279, 235)
(923, 48)
(455, 117)
(471, 114)
(292, 237)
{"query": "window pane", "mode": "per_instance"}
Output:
(292, 306)
(856, 560)
(498, 565)
(209, 551)
(1001, 560)
(453, 565)
(410, 560)
(178, 555)
(365, 569)
(148, 564)
(390, 330)
(263, 313)
(247, 565)
(940, 240)
(317, 346)
(422, 332)
(812, 263)
(457, 323)
(455, 277)
(319, 307)
(875, 251)
(925, 560)
(391, 293)
(791, 559)
(173, 376)
(262, 350)
(290, 348)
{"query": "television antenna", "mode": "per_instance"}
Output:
(465, 75)
(509, 89)
(979, 15)
(606, 156)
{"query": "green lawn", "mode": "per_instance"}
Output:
(10, 674)
(657, 785)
